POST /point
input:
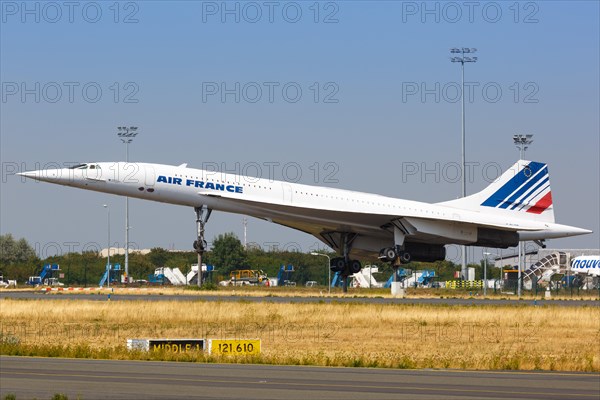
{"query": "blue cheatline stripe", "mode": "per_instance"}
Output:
(531, 192)
(515, 182)
(531, 182)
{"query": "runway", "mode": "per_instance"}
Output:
(31, 295)
(108, 379)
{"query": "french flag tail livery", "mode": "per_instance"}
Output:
(524, 189)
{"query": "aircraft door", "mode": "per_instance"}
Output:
(287, 193)
(150, 176)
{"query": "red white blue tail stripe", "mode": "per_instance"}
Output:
(528, 191)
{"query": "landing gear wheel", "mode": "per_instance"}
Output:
(355, 266)
(390, 254)
(337, 264)
(405, 257)
(199, 245)
(387, 254)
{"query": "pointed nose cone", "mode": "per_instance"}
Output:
(581, 231)
(30, 174)
(48, 175)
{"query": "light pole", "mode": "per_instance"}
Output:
(522, 142)
(459, 56)
(127, 134)
(328, 269)
(485, 256)
(108, 250)
(245, 223)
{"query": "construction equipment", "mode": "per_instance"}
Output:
(365, 278)
(192, 276)
(164, 275)
(45, 276)
(284, 275)
(419, 278)
(112, 272)
(243, 277)
(401, 274)
(7, 283)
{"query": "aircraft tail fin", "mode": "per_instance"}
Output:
(524, 189)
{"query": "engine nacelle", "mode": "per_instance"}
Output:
(496, 238)
(425, 252)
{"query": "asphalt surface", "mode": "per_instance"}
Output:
(108, 379)
(274, 299)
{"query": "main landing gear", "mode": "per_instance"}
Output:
(342, 241)
(396, 255)
(202, 216)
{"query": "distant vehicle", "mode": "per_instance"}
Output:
(311, 283)
(52, 282)
(589, 265)
(243, 277)
(45, 276)
(38, 281)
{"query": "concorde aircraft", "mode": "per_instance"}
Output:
(515, 207)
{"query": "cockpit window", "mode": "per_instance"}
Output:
(79, 166)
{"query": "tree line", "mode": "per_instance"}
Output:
(19, 261)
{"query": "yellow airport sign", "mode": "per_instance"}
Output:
(236, 347)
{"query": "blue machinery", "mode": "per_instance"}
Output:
(113, 271)
(284, 275)
(400, 273)
(337, 280)
(425, 278)
(45, 273)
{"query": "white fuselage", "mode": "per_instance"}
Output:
(311, 209)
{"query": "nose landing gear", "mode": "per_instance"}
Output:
(202, 216)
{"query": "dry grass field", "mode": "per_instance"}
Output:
(321, 291)
(390, 335)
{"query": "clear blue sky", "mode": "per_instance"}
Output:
(377, 100)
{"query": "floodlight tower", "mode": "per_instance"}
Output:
(522, 142)
(127, 134)
(108, 249)
(314, 253)
(245, 224)
(458, 56)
